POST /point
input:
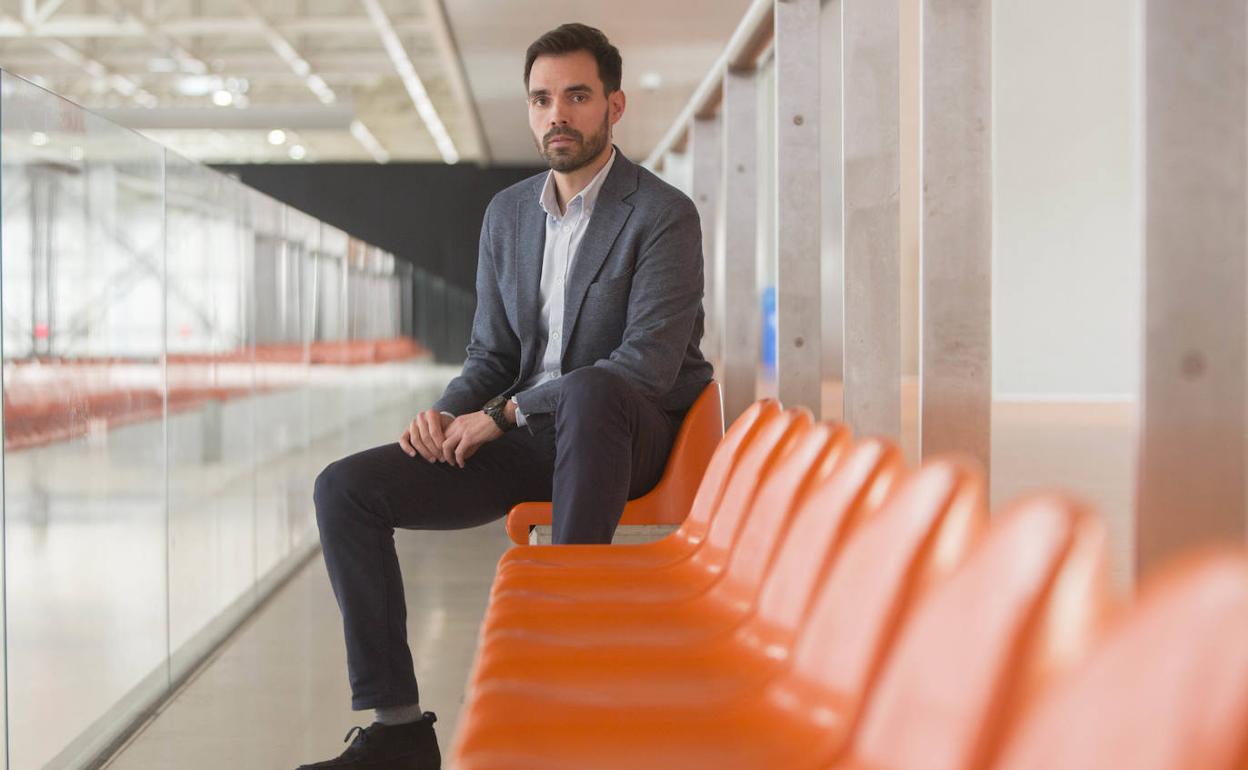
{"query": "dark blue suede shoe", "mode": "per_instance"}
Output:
(413, 746)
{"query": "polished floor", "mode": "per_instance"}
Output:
(276, 694)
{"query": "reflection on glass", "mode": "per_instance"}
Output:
(210, 416)
(84, 491)
(181, 357)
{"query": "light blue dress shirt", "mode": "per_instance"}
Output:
(564, 232)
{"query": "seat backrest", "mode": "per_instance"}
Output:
(857, 485)
(1026, 603)
(809, 461)
(932, 517)
(773, 440)
(743, 430)
(1167, 689)
(689, 459)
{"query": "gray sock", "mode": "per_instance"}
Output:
(397, 715)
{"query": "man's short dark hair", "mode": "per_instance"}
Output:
(569, 38)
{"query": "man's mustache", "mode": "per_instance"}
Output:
(566, 132)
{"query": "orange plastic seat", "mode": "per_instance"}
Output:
(705, 559)
(680, 543)
(1027, 605)
(1166, 690)
(690, 600)
(921, 534)
(625, 674)
(670, 500)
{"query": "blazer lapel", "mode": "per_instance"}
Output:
(610, 214)
(530, 244)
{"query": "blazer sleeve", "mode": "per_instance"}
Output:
(662, 309)
(493, 360)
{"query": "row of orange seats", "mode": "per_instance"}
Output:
(823, 607)
(46, 412)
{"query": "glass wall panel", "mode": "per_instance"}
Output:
(211, 455)
(180, 357)
(84, 488)
(286, 248)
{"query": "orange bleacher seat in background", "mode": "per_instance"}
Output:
(708, 554)
(711, 587)
(675, 546)
(670, 500)
(1027, 605)
(1167, 689)
(770, 476)
(620, 669)
(921, 534)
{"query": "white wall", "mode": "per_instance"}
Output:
(1067, 256)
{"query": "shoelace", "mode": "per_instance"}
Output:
(357, 729)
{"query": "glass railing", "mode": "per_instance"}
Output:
(181, 356)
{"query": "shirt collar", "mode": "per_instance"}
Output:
(589, 196)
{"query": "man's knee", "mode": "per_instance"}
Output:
(592, 389)
(326, 491)
(331, 495)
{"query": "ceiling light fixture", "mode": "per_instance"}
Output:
(411, 81)
(297, 152)
(370, 143)
(222, 98)
(277, 137)
(38, 139)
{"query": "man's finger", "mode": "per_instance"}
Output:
(414, 438)
(448, 447)
(406, 445)
(450, 438)
(463, 452)
(424, 443)
(435, 426)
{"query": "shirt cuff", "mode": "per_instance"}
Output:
(521, 420)
(448, 414)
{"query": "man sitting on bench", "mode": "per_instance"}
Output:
(589, 315)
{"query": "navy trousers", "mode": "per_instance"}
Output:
(605, 445)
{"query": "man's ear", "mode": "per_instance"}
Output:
(616, 103)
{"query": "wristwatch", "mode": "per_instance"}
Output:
(496, 408)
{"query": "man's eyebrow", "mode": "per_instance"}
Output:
(578, 88)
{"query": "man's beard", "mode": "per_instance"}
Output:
(565, 158)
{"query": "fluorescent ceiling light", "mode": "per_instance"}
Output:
(411, 81)
(38, 139)
(370, 143)
(197, 85)
(277, 137)
(222, 98)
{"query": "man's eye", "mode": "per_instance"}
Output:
(539, 102)
(578, 98)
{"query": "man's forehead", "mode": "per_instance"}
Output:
(564, 72)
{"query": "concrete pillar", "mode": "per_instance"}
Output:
(707, 177)
(870, 124)
(742, 326)
(956, 209)
(1192, 449)
(798, 324)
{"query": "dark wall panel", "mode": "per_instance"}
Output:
(428, 214)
